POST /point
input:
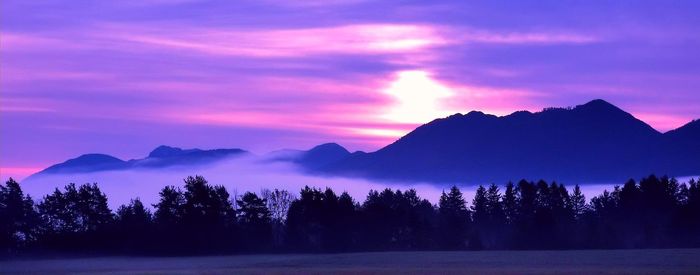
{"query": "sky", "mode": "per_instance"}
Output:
(122, 77)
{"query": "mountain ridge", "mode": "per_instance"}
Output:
(161, 156)
(595, 141)
(592, 142)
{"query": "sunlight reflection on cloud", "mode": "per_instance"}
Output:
(418, 98)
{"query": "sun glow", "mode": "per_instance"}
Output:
(418, 98)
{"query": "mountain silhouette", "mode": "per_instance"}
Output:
(162, 156)
(683, 144)
(322, 155)
(87, 163)
(164, 151)
(312, 159)
(595, 141)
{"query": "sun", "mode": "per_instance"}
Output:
(418, 98)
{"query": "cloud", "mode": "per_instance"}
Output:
(17, 172)
(348, 39)
(355, 39)
(480, 36)
(662, 122)
(21, 42)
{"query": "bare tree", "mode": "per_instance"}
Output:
(234, 199)
(278, 201)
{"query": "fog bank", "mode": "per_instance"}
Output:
(240, 175)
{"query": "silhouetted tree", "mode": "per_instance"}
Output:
(687, 221)
(510, 204)
(18, 219)
(304, 223)
(654, 213)
(77, 218)
(396, 220)
(225, 206)
(630, 225)
(207, 216)
(322, 221)
(606, 215)
(134, 215)
(169, 208)
(525, 219)
(563, 214)
(489, 216)
(253, 209)
(199, 220)
(419, 221)
(93, 207)
(345, 223)
(658, 196)
(578, 203)
(254, 219)
(454, 218)
(480, 206)
(134, 226)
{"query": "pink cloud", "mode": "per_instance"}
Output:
(270, 43)
(527, 38)
(15, 74)
(347, 39)
(662, 122)
(8, 104)
(26, 42)
(17, 173)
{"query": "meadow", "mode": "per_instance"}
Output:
(648, 261)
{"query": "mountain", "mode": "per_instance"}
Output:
(322, 155)
(684, 145)
(686, 135)
(312, 159)
(595, 141)
(162, 156)
(87, 163)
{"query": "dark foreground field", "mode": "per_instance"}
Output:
(672, 261)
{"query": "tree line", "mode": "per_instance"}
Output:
(200, 218)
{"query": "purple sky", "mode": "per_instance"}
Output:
(121, 77)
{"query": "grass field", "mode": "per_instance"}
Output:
(671, 261)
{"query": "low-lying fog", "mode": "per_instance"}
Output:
(239, 175)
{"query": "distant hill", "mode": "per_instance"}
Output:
(683, 148)
(313, 159)
(322, 155)
(163, 156)
(87, 163)
(595, 141)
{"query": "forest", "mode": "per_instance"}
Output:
(201, 218)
